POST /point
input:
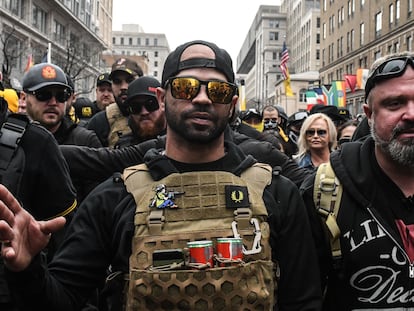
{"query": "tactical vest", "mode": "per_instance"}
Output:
(207, 206)
(118, 124)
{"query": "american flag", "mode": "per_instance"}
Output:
(283, 62)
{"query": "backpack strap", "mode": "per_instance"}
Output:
(327, 193)
(11, 134)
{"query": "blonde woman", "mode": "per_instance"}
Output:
(316, 141)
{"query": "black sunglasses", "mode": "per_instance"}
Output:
(150, 105)
(219, 92)
(391, 68)
(320, 133)
(46, 95)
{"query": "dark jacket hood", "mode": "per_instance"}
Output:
(160, 166)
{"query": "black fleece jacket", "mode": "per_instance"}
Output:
(100, 236)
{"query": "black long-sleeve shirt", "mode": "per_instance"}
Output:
(100, 236)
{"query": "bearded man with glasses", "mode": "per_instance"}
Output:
(374, 269)
(46, 91)
(146, 117)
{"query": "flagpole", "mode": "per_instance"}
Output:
(49, 53)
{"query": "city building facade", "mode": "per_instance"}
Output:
(357, 32)
(132, 41)
(259, 57)
(69, 33)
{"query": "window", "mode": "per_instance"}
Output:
(378, 23)
(318, 22)
(155, 64)
(318, 38)
(138, 41)
(273, 24)
(155, 73)
(155, 53)
(122, 41)
(409, 7)
(352, 39)
(324, 31)
(391, 13)
(409, 42)
(130, 41)
(361, 34)
(14, 6)
(273, 36)
(397, 10)
(274, 55)
(113, 40)
(147, 41)
(58, 32)
(318, 54)
(155, 41)
(39, 19)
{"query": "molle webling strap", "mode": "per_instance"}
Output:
(118, 124)
(327, 193)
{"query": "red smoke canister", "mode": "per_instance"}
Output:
(201, 252)
(229, 249)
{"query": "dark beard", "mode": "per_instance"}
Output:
(193, 133)
(401, 152)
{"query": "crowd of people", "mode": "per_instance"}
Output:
(80, 232)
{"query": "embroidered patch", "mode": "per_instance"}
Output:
(163, 198)
(48, 72)
(236, 196)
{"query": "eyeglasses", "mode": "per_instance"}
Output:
(392, 68)
(321, 133)
(45, 95)
(219, 92)
(150, 105)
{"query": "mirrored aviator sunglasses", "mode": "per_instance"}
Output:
(45, 95)
(135, 107)
(391, 68)
(187, 88)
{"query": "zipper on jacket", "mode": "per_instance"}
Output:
(410, 264)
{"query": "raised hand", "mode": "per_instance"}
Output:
(22, 237)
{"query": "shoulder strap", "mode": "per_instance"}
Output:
(11, 134)
(327, 193)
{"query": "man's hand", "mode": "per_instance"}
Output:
(22, 237)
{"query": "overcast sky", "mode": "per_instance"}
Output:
(224, 22)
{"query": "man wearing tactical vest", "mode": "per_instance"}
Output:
(200, 226)
(112, 123)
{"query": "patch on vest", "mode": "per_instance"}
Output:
(236, 196)
(163, 198)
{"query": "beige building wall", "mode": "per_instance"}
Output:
(132, 41)
(357, 32)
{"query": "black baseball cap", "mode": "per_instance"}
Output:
(103, 78)
(145, 85)
(127, 65)
(222, 61)
(329, 110)
(42, 75)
